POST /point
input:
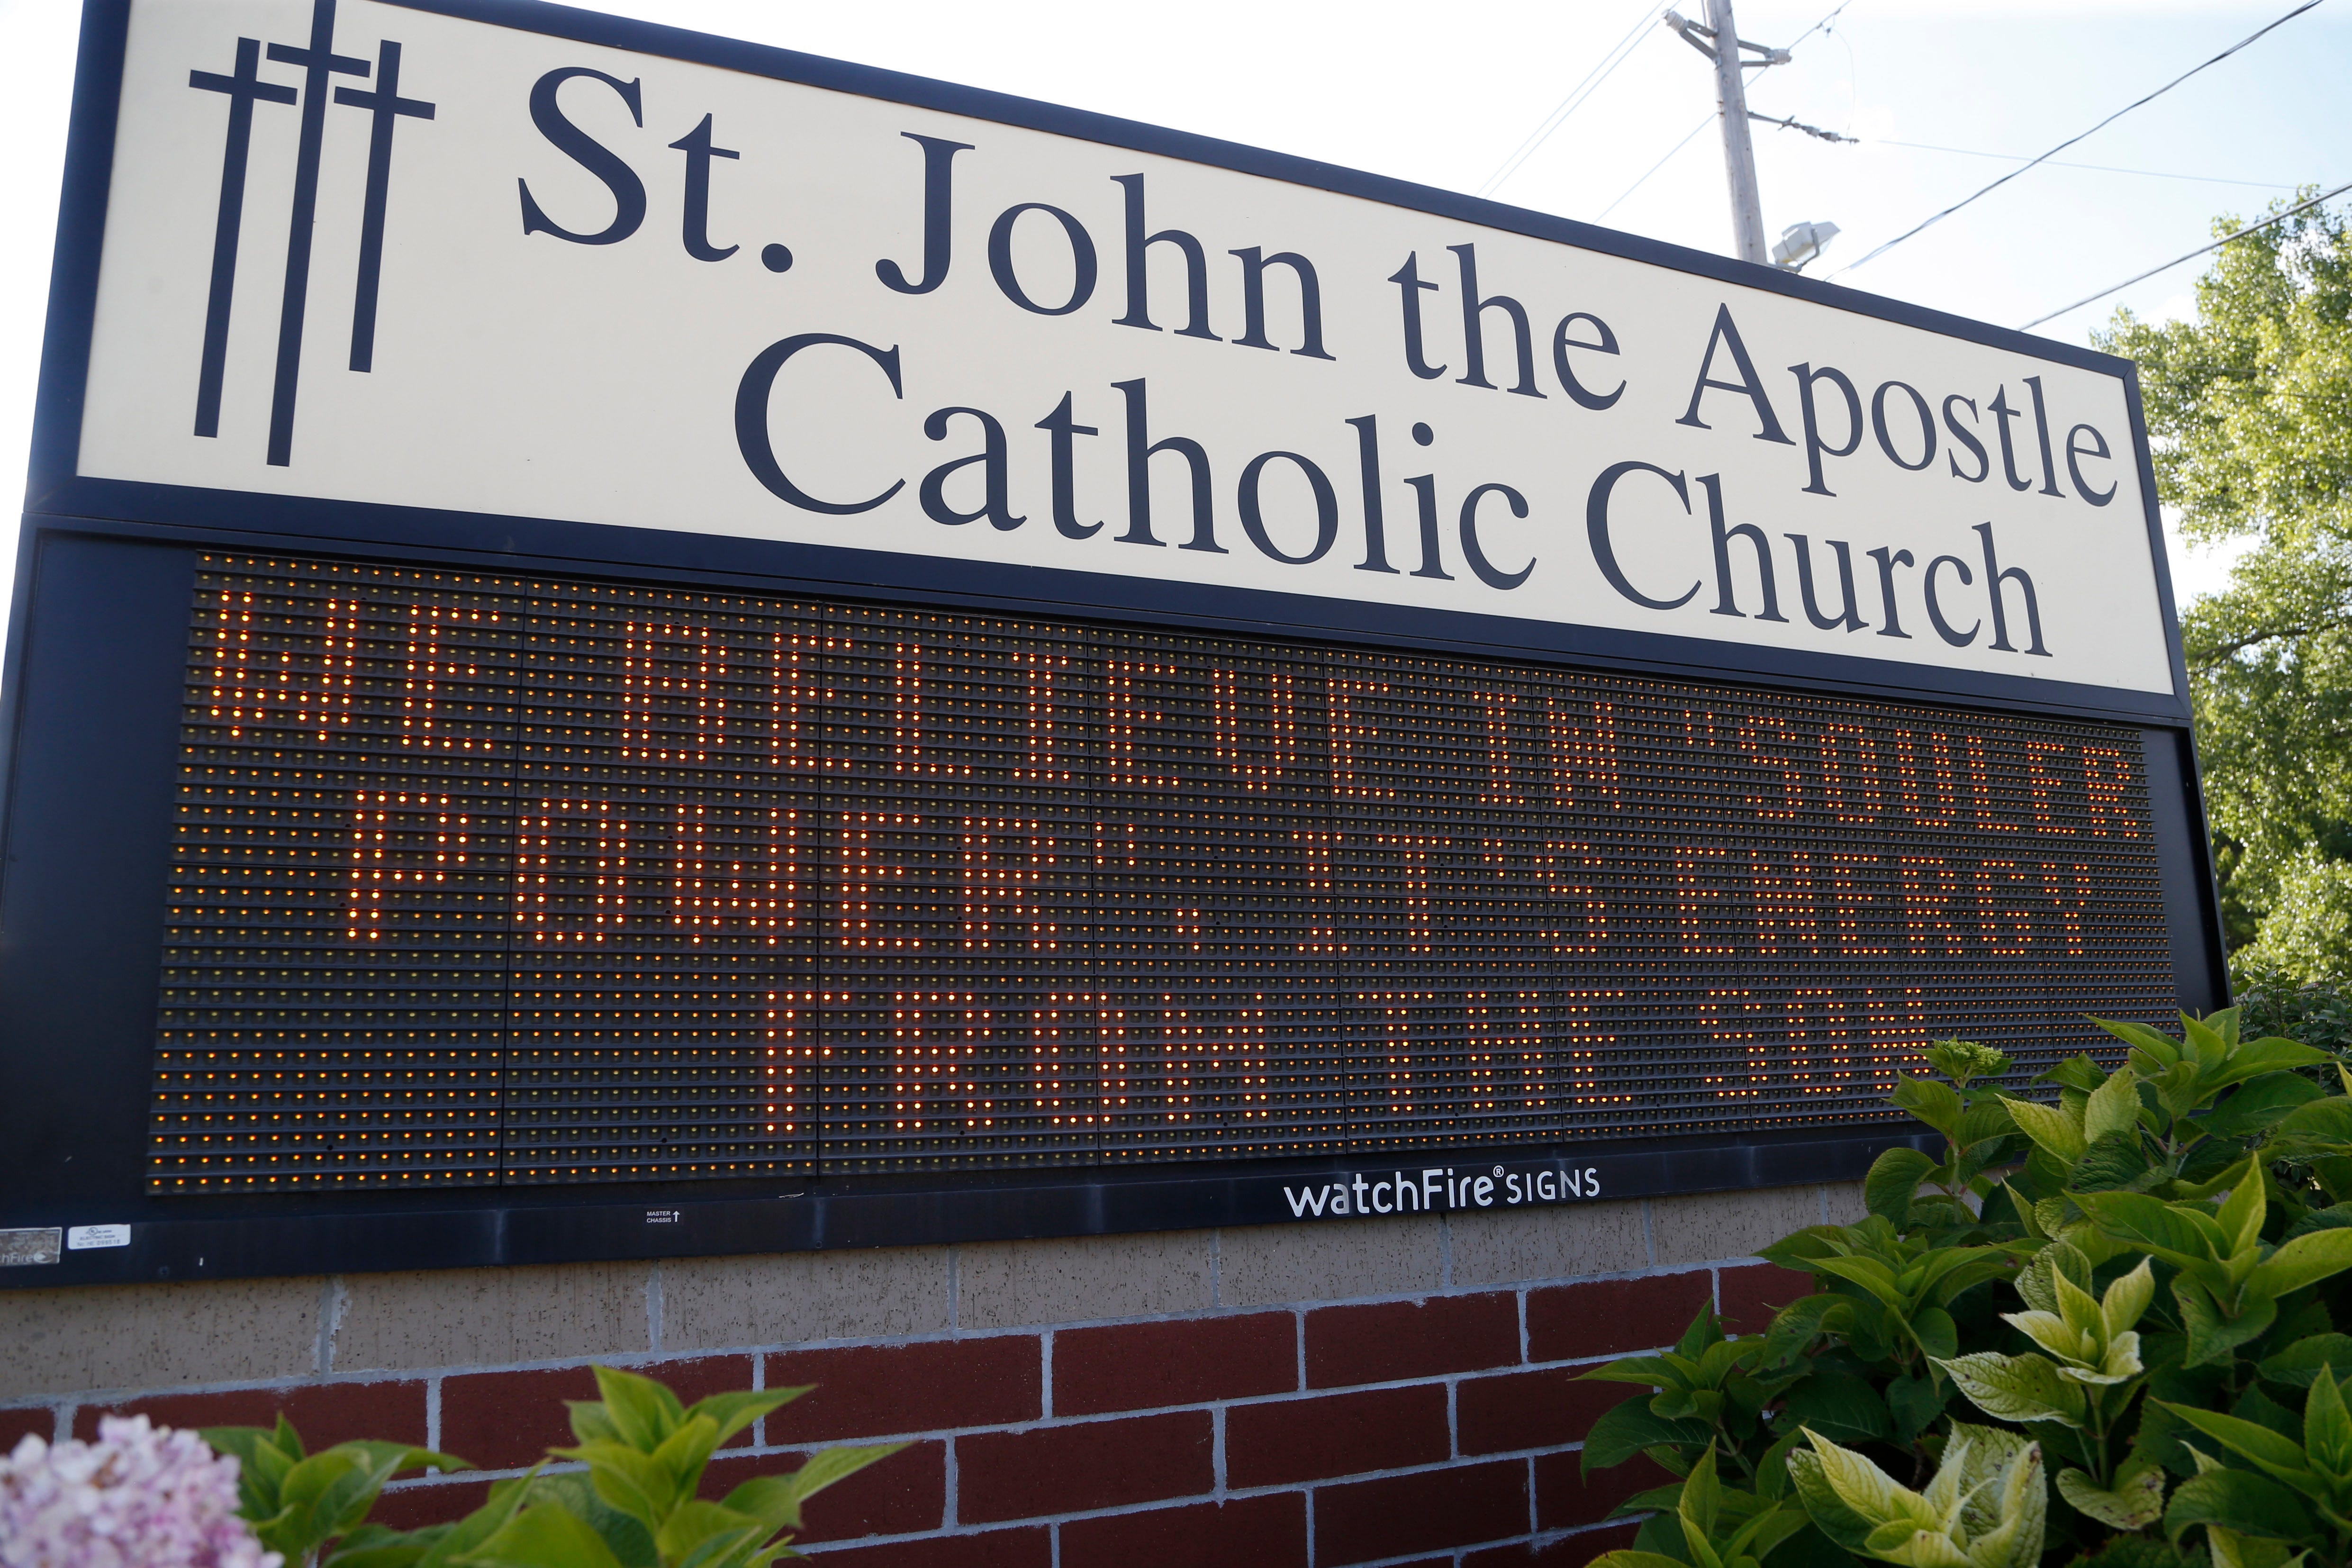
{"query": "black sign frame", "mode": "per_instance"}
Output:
(91, 711)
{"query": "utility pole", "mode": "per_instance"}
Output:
(1718, 40)
(1738, 150)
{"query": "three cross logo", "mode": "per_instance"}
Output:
(386, 107)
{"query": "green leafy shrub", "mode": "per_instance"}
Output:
(1984, 1508)
(636, 1505)
(299, 1503)
(2273, 1001)
(2100, 1326)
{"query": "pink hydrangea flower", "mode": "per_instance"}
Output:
(139, 1497)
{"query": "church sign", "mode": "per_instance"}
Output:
(634, 644)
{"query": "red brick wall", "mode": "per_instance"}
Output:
(1442, 1428)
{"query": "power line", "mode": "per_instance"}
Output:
(2101, 168)
(1654, 168)
(1794, 125)
(2119, 114)
(2201, 250)
(1617, 53)
(1817, 27)
(1617, 56)
(1789, 48)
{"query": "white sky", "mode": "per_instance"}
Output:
(1442, 95)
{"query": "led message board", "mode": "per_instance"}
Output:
(628, 642)
(484, 879)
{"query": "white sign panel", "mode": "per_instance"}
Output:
(377, 254)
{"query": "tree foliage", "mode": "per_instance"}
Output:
(2250, 413)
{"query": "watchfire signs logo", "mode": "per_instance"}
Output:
(318, 65)
(361, 252)
(1441, 1189)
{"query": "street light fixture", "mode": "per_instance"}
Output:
(1801, 243)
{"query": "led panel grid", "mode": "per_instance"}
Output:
(665, 889)
(957, 1011)
(505, 880)
(335, 961)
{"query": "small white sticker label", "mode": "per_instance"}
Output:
(88, 1235)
